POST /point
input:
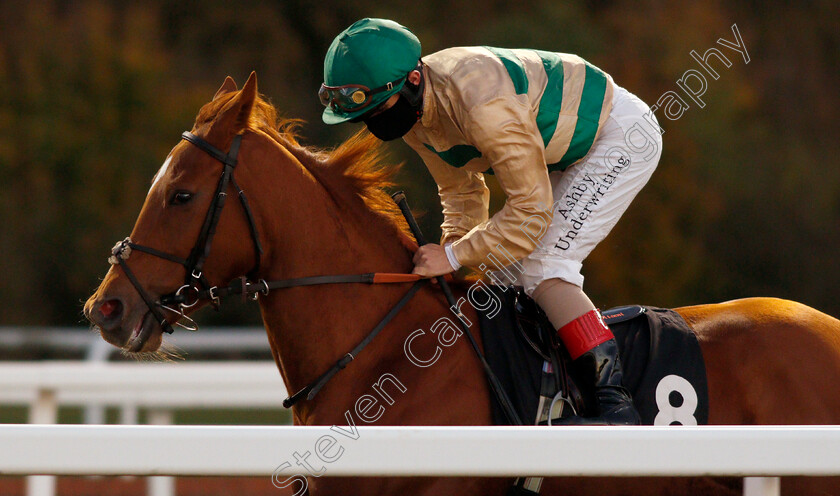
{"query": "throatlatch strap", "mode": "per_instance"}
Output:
(252, 226)
(584, 333)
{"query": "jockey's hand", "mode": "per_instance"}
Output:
(430, 261)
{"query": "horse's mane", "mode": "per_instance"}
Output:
(357, 169)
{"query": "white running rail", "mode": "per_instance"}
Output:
(156, 387)
(421, 451)
(760, 453)
(425, 451)
(151, 385)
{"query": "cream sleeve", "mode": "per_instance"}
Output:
(464, 196)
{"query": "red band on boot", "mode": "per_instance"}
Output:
(584, 333)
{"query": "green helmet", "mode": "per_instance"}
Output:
(366, 64)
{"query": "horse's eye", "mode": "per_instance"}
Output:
(181, 197)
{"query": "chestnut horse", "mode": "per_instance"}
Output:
(315, 213)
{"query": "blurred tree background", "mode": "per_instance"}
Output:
(745, 202)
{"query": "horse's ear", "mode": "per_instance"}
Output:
(250, 88)
(228, 86)
(234, 115)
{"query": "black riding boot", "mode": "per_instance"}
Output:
(602, 365)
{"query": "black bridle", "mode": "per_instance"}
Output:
(195, 287)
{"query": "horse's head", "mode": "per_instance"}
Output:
(167, 262)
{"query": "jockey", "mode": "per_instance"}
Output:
(569, 147)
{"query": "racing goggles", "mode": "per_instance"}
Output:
(351, 97)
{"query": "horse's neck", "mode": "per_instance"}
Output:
(311, 327)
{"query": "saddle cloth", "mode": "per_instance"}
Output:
(661, 360)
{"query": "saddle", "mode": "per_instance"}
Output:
(661, 360)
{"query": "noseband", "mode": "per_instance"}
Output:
(195, 287)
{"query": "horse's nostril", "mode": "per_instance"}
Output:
(110, 308)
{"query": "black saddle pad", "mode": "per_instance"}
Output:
(661, 359)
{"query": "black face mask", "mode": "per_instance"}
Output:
(395, 122)
(399, 119)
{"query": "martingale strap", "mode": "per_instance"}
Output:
(315, 386)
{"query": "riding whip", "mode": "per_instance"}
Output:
(495, 385)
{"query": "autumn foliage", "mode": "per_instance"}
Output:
(745, 202)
